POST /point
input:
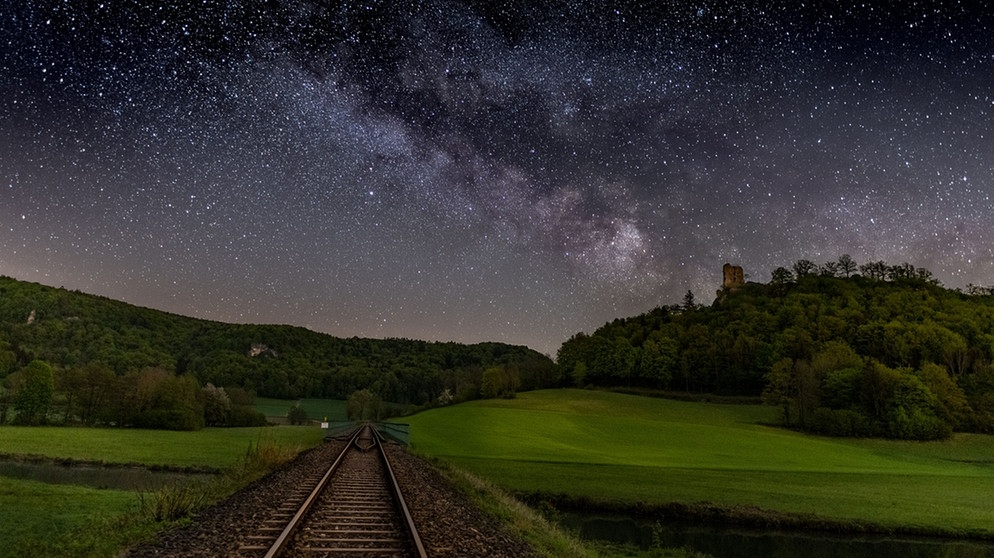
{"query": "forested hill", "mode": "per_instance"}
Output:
(888, 354)
(76, 333)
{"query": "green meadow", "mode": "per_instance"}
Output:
(41, 519)
(316, 409)
(215, 448)
(622, 450)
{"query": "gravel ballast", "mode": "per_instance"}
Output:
(450, 526)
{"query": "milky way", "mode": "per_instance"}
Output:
(483, 170)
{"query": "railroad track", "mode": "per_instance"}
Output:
(355, 509)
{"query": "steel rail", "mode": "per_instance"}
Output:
(288, 531)
(399, 496)
(376, 440)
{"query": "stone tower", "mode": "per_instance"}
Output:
(733, 276)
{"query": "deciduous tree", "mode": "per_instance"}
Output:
(217, 405)
(781, 387)
(493, 383)
(360, 404)
(803, 268)
(780, 280)
(35, 394)
(846, 265)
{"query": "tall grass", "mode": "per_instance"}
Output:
(172, 502)
(267, 453)
(181, 500)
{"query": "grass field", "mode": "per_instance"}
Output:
(40, 519)
(622, 449)
(316, 409)
(216, 448)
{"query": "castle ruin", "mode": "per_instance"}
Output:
(734, 277)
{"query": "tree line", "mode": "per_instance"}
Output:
(842, 349)
(71, 358)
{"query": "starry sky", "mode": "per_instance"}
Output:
(500, 170)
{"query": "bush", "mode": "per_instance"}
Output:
(917, 425)
(980, 415)
(297, 415)
(244, 416)
(391, 410)
(841, 422)
(217, 406)
(169, 419)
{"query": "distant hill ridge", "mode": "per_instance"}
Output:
(71, 331)
(871, 350)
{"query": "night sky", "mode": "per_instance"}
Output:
(483, 170)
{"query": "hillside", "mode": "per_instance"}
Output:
(83, 344)
(889, 352)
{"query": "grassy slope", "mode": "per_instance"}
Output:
(618, 448)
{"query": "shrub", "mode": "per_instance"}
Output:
(244, 416)
(297, 415)
(917, 425)
(217, 405)
(980, 414)
(169, 419)
(841, 422)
